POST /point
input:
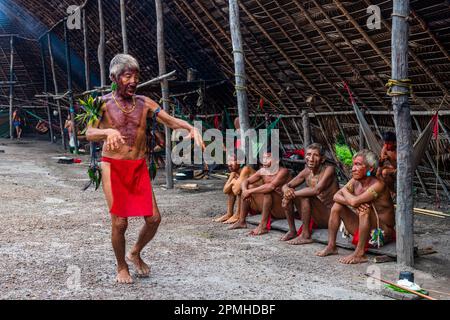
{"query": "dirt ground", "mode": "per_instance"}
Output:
(55, 244)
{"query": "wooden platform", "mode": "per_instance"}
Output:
(321, 236)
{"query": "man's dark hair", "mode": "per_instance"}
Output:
(318, 147)
(389, 136)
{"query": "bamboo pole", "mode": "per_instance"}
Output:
(101, 44)
(361, 133)
(239, 66)
(44, 75)
(69, 88)
(402, 117)
(55, 86)
(92, 144)
(123, 23)
(164, 88)
(11, 86)
(86, 54)
(297, 129)
(306, 129)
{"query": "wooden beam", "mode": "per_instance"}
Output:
(123, 23)
(420, 63)
(306, 129)
(164, 89)
(249, 63)
(339, 52)
(86, 54)
(11, 86)
(402, 116)
(306, 57)
(101, 44)
(222, 53)
(239, 69)
(44, 76)
(261, 61)
(69, 87)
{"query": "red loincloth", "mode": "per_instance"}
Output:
(366, 247)
(355, 240)
(131, 188)
(312, 225)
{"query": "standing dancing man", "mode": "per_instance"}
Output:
(126, 181)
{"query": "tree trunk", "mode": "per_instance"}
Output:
(55, 86)
(164, 89)
(44, 75)
(402, 118)
(240, 76)
(123, 22)
(11, 87)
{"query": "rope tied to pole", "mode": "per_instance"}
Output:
(240, 76)
(404, 83)
(239, 88)
(238, 51)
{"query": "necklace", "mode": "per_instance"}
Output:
(317, 177)
(122, 108)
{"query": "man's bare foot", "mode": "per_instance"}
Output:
(353, 259)
(233, 219)
(288, 236)
(123, 276)
(238, 225)
(301, 239)
(223, 218)
(258, 231)
(328, 251)
(143, 270)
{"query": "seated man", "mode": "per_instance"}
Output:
(372, 217)
(388, 161)
(265, 198)
(233, 189)
(315, 200)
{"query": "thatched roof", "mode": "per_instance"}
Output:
(294, 49)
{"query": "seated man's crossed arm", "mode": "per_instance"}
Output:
(348, 198)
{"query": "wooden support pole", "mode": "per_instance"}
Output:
(101, 44)
(287, 132)
(11, 86)
(404, 214)
(55, 86)
(69, 88)
(123, 22)
(164, 88)
(239, 66)
(297, 129)
(44, 76)
(361, 133)
(87, 80)
(306, 129)
(86, 54)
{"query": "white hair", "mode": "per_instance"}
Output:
(370, 158)
(120, 63)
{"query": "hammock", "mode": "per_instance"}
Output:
(420, 146)
(39, 118)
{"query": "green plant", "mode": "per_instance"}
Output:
(343, 153)
(91, 114)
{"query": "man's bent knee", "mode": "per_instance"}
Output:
(153, 220)
(120, 224)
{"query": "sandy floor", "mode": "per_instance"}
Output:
(55, 244)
